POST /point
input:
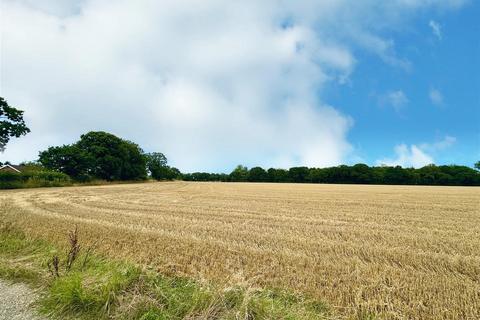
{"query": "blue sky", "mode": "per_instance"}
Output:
(274, 83)
(448, 64)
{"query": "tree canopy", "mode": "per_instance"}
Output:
(158, 168)
(11, 123)
(357, 174)
(69, 159)
(257, 174)
(240, 173)
(99, 155)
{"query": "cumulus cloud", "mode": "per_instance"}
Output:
(436, 97)
(416, 155)
(407, 156)
(436, 29)
(208, 83)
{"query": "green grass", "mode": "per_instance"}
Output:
(99, 288)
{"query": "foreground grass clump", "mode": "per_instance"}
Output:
(94, 287)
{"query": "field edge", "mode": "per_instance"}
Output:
(101, 288)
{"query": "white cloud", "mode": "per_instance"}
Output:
(384, 48)
(209, 83)
(407, 156)
(396, 99)
(60, 8)
(436, 97)
(443, 144)
(416, 155)
(436, 29)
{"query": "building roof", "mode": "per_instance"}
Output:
(11, 167)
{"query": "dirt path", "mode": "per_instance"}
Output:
(15, 302)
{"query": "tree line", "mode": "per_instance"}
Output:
(357, 174)
(102, 155)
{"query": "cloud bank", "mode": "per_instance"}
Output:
(209, 83)
(417, 156)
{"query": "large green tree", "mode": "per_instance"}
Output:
(98, 154)
(240, 173)
(112, 157)
(11, 123)
(257, 174)
(158, 168)
(69, 159)
(156, 165)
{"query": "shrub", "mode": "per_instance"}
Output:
(32, 179)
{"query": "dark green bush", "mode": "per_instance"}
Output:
(33, 179)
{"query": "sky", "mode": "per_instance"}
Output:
(274, 83)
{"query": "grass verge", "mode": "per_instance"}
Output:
(98, 288)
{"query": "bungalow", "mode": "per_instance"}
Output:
(11, 168)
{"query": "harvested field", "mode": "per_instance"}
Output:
(400, 252)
